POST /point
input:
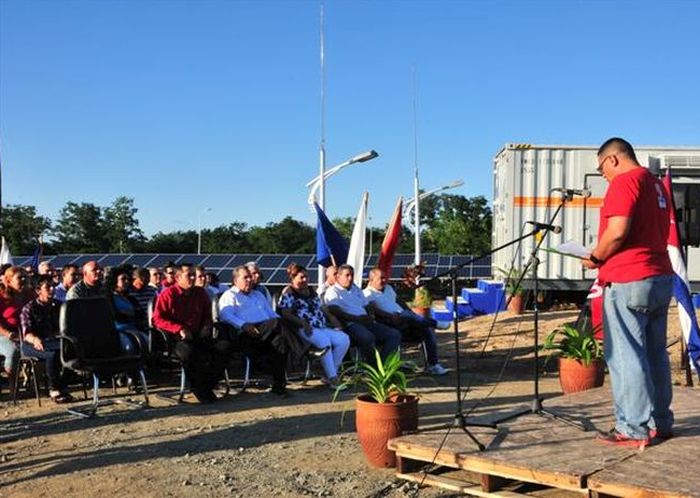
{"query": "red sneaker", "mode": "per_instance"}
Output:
(615, 438)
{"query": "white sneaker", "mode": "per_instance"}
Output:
(436, 369)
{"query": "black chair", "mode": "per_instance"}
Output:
(90, 346)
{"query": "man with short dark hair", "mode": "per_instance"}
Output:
(91, 284)
(69, 277)
(169, 271)
(184, 311)
(140, 290)
(347, 302)
(155, 276)
(636, 274)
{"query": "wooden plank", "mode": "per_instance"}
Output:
(667, 469)
(456, 485)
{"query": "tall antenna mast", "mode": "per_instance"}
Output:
(416, 189)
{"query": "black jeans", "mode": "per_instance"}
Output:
(270, 344)
(204, 361)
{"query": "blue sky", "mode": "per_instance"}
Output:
(186, 105)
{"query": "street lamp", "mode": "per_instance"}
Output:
(199, 230)
(318, 183)
(413, 204)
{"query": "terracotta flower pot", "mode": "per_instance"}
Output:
(377, 423)
(574, 376)
(517, 304)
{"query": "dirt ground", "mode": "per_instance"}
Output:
(254, 444)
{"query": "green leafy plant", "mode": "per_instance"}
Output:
(383, 381)
(512, 277)
(422, 298)
(568, 341)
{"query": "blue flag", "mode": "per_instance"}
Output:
(36, 257)
(331, 247)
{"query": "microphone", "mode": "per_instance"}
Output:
(570, 192)
(545, 226)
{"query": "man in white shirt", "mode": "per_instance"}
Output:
(257, 324)
(346, 301)
(259, 327)
(331, 276)
(382, 299)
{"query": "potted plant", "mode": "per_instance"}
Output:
(580, 358)
(422, 298)
(385, 409)
(514, 290)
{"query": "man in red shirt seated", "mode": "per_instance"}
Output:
(184, 311)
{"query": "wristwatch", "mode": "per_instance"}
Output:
(595, 260)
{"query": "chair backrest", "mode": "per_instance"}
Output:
(149, 310)
(90, 321)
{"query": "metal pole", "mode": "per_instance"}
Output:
(322, 146)
(415, 175)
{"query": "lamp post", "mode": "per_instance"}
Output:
(199, 230)
(318, 184)
(414, 203)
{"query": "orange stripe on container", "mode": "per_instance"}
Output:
(521, 201)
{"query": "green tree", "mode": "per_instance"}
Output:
(232, 238)
(172, 242)
(121, 226)
(81, 228)
(286, 236)
(344, 226)
(22, 226)
(457, 225)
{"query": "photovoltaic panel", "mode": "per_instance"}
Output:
(278, 277)
(241, 259)
(444, 260)
(372, 261)
(306, 260)
(431, 258)
(21, 260)
(403, 259)
(161, 260)
(219, 261)
(193, 259)
(81, 260)
(271, 260)
(113, 259)
(140, 259)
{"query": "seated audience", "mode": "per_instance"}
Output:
(128, 315)
(46, 268)
(301, 306)
(169, 271)
(40, 329)
(69, 277)
(200, 280)
(256, 277)
(155, 277)
(140, 290)
(184, 311)
(331, 276)
(13, 298)
(213, 281)
(347, 302)
(3, 268)
(258, 326)
(90, 285)
(382, 299)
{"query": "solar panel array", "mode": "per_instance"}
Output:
(273, 266)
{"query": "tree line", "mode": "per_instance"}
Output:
(450, 224)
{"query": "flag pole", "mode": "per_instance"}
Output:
(322, 145)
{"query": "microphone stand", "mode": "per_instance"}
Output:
(536, 406)
(460, 421)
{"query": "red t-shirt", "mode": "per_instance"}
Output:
(176, 309)
(638, 195)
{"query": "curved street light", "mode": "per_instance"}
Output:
(318, 185)
(413, 204)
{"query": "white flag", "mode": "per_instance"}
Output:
(5, 256)
(356, 254)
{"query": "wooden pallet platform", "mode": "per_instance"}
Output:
(541, 450)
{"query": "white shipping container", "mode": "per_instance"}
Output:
(524, 176)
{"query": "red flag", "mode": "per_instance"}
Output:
(391, 240)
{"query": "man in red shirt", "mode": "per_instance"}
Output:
(636, 273)
(184, 311)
